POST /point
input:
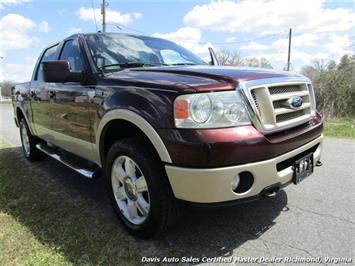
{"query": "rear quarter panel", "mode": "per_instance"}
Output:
(21, 102)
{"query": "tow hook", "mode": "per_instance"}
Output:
(319, 163)
(271, 192)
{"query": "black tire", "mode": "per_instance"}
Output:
(163, 212)
(30, 152)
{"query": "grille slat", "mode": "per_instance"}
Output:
(279, 111)
(288, 95)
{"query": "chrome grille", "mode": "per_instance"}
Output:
(273, 110)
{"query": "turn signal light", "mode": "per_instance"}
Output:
(181, 109)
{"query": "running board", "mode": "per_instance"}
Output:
(77, 164)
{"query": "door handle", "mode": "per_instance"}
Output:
(51, 94)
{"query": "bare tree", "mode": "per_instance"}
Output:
(234, 58)
(229, 57)
(257, 62)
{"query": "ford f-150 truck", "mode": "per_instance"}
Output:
(165, 127)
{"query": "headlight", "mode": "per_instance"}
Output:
(210, 110)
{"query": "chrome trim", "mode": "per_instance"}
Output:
(246, 86)
(85, 172)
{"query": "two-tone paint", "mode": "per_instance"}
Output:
(74, 116)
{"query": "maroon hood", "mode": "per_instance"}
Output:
(196, 78)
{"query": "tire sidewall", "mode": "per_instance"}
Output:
(23, 124)
(149, 166)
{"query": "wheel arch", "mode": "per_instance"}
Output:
(136, 124)
(20, 113)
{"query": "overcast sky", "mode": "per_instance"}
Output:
(321, 29)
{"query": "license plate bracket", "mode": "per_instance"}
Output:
(303, 168)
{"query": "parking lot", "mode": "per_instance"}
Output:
(72, 215)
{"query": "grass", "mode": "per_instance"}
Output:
(49, 215)
(44, 220)
(340, 128)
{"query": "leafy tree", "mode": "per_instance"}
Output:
(6, 87)
(334, 85)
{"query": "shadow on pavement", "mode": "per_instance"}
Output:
(73, 215)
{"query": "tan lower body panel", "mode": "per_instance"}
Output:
(76, 146)
(213, 185)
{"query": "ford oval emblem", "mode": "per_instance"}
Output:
(295, 102)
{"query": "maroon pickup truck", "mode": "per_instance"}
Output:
(165, 127)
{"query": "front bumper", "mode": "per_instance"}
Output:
(213, 185)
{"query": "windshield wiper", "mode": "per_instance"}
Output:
(180, 64)
(127, 65)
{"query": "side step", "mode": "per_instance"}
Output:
(79, 165)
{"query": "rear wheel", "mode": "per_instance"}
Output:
(29, 142)
(139, 189)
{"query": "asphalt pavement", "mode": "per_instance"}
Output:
(313, 220)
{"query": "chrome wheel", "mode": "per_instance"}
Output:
(130, 190)
(25, 140)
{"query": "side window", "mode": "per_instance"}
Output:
(71, 53)
(47, 56)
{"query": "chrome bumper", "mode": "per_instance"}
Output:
(213, 185)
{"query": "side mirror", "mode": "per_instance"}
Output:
(59, 71)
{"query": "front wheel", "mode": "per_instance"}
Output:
(139, 188)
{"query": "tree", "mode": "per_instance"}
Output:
(229, 57)
(6, 87)
(234, 58)
(257, 62)
(334, 85)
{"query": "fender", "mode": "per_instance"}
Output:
(139, 122)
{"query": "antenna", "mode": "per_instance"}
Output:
(289, 50)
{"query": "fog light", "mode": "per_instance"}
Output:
(235, 182)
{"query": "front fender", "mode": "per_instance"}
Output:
(139, 122)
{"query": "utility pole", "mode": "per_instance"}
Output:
(289, 50)
(103, 12)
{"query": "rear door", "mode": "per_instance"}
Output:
(40, 94)
(71, 123)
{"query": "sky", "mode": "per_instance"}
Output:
(322, 30)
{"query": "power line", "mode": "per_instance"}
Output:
(249, 40)
(93, 10)
(134, 30)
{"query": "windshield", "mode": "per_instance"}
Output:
(115, 51)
